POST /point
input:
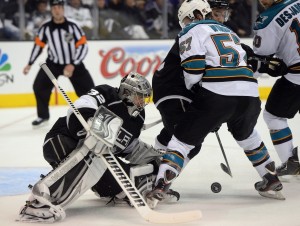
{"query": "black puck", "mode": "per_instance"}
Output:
(216, 187)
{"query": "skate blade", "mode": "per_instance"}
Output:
(275, 195)
(289, 178)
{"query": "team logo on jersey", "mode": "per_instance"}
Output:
(261, 19)
(123, 139)
(69, 37)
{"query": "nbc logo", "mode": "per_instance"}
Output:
(5, 67)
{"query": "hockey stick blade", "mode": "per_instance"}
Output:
(150, 125)
(225, 169)
(121, 177)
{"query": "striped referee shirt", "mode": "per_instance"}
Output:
(66, 43)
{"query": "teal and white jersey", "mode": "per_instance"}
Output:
(277, 31)
(211, 53)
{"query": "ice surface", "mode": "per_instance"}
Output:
(238, 204)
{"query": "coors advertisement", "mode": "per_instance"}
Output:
(119, 61)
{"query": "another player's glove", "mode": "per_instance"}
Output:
(250, 59)
(274, 67)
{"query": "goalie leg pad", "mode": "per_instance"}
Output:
(63, 185)
(76, 181)
(142, 177)
(56, 148)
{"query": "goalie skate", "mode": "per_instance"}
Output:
(35, 212)
(270, 186)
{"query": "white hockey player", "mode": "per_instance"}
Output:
(277, 32)
(74, 154)
(225, 91)
(170, 95)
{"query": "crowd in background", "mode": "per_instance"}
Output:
(114, 19)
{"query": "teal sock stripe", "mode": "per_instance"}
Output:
(173, 159)
(258, 155)
(281, 136)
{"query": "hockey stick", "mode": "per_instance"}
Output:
(226, 168)
(264, 59)
(150, 125)
(121, 177)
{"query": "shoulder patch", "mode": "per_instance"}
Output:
(267, 16)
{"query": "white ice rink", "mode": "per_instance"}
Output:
(238, 204)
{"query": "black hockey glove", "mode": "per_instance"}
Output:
(274, 67)
(248, 50)
(250, 59)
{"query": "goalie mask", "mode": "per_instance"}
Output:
(135, 91)
(189, 8)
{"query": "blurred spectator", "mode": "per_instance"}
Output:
(30, 6)
(115, 4)
(140, 5)
(8, 14)
(133, 22)
(109, 23)
(88, 3)
(1, 28)
(154, 11)
(81, 15)
(38, 17)
(240, 19)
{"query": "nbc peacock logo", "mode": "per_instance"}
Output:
(5, 67)
(4, 64)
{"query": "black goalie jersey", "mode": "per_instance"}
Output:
(88, 104)
(168, 80)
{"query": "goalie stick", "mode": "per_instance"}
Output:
(121, 177)
(226, 168)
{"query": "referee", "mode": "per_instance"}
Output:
(67, 47)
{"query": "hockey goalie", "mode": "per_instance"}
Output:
(116, 116)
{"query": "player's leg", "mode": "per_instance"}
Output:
(77, 173)
(171, 111)
(42, 88)
(142, 176)
(203, 115)
(241, 125)
(57, 146)
(283, 103)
